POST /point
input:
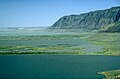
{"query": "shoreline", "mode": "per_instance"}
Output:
(111, 74)
(1, 54)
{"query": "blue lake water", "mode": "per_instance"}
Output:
(55, 66)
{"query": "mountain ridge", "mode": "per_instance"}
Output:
(94, 20)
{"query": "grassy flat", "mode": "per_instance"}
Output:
(110, 41)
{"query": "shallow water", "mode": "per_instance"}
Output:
(37, 38)
(29, 32)
(55, 66)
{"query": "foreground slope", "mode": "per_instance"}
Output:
(113, 74)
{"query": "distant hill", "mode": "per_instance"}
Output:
(107, 20)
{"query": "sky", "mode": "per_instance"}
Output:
(32, 13)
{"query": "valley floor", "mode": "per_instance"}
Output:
(80, 44)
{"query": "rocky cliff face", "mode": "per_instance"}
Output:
(94, 20)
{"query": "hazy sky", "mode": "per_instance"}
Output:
(46, 12)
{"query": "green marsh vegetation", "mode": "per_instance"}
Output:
(43, 44)
(38, 44)
(110, 42)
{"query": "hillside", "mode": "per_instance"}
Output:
(107, 20)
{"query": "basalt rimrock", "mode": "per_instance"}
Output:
(95, 20)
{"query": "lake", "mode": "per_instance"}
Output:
(56, 66)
